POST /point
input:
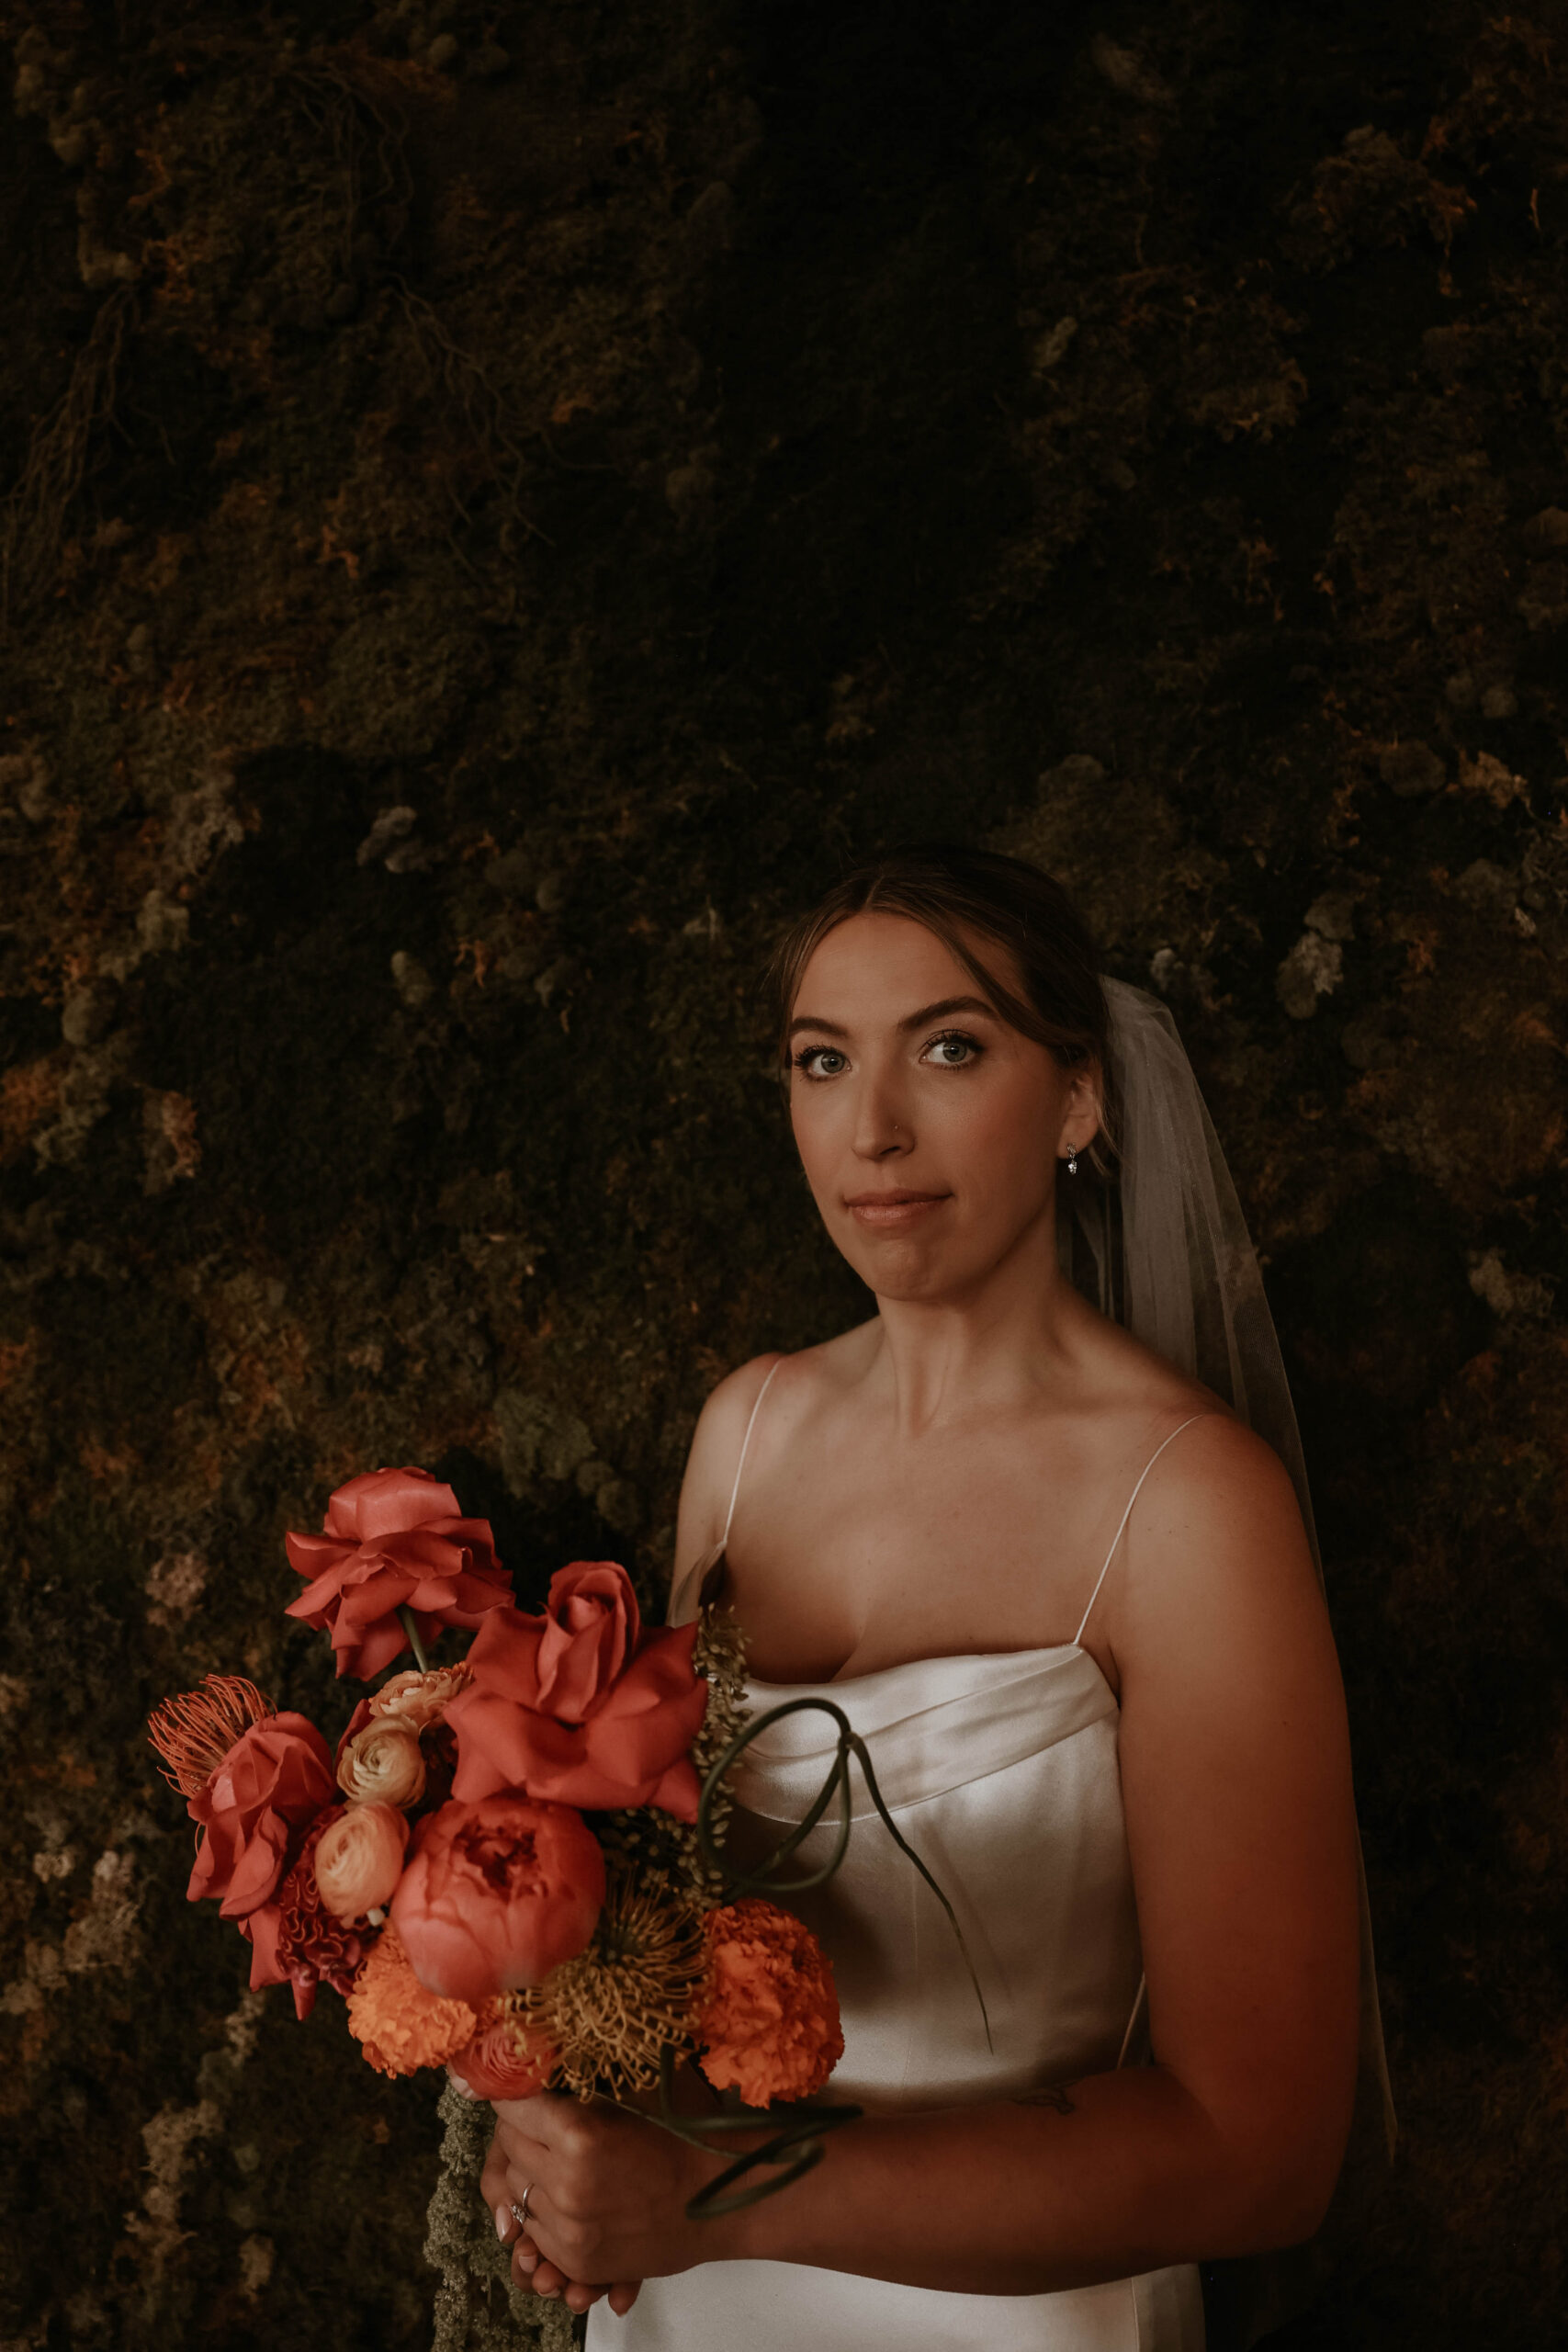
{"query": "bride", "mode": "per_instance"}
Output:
(1069, 1595)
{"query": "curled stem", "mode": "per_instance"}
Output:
(765, 1875)
(793, 2146)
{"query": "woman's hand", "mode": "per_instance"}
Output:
(607, 2197)
(531, 2271)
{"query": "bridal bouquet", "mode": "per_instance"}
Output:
(507, 1866)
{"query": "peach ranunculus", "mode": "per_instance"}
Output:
(580, 1705)
(401, 2023)
(382, 1763)
(501, 2061)
(769, 2021)
(422, 1698)
(392, 1540)
(269, 1787)
(496, 1894)
(360, 1860)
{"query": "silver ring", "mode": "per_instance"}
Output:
(520, 2212)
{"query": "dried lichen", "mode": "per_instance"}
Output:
(502, 503)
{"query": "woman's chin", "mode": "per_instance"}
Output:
(900, 1271)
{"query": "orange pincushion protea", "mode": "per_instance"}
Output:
(193, 1731)
(402, 2026)
(768, 2022)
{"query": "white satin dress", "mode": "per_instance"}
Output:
(1001, 1772)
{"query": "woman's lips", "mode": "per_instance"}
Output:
(893, 1212)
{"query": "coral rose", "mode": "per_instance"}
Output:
(392, 1540)
(270, 1785)
(360, 1860)
(768, 2020)
(495, 1895)
(501, 2061)
(581, 1705)
(401, 2023)
(382, 1763)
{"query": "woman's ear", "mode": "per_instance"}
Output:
(1086, 1100)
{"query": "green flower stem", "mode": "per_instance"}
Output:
(405, 1618)
(794, 2144)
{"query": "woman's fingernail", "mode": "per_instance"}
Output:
(527, 2262)
(503, 2216)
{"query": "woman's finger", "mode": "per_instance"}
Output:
(539, 2116)
(522, 2153)
(623, 2297)
(543, 2278)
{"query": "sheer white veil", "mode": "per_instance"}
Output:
(1163, 1249)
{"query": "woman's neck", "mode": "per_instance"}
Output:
(1009, 1341)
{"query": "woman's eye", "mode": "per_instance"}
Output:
(820, 1061)
(953, 1053)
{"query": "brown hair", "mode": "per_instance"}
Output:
(954, 891)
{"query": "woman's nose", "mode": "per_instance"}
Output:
(879, 1131)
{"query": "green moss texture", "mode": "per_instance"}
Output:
(499, 502)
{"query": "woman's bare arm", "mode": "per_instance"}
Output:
(1236, 1783)
(710, 1466)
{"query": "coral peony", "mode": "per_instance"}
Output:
(271, 1784)
(422, 1698)
(502, 2061)
(295, 1941)
(382, 1763)
(494, 1894)
(581, 1705)
(768, 2020)
(360, 1860)
(401, 2023)
(392, 1540)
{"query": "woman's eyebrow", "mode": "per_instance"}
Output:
(948, 1004)
(937, 1011)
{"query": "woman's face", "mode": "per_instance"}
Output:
(929, 1129)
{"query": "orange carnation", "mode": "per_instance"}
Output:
(402, 2026)
(768, 2022)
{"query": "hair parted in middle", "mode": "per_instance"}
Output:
(962, 895)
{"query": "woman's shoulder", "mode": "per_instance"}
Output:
(806, 1376)
(1205, 1459)
(803, 1373)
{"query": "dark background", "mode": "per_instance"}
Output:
(501, 500)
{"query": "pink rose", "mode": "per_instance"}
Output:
(360, 1860)
(392, 1540)
(581, 1705)
(496, 1894)
(500, 2063)
(270, 1785)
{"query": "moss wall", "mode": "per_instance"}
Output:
(501, 500)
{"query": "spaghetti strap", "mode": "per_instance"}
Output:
(745, 1449)
(1132, 1498)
